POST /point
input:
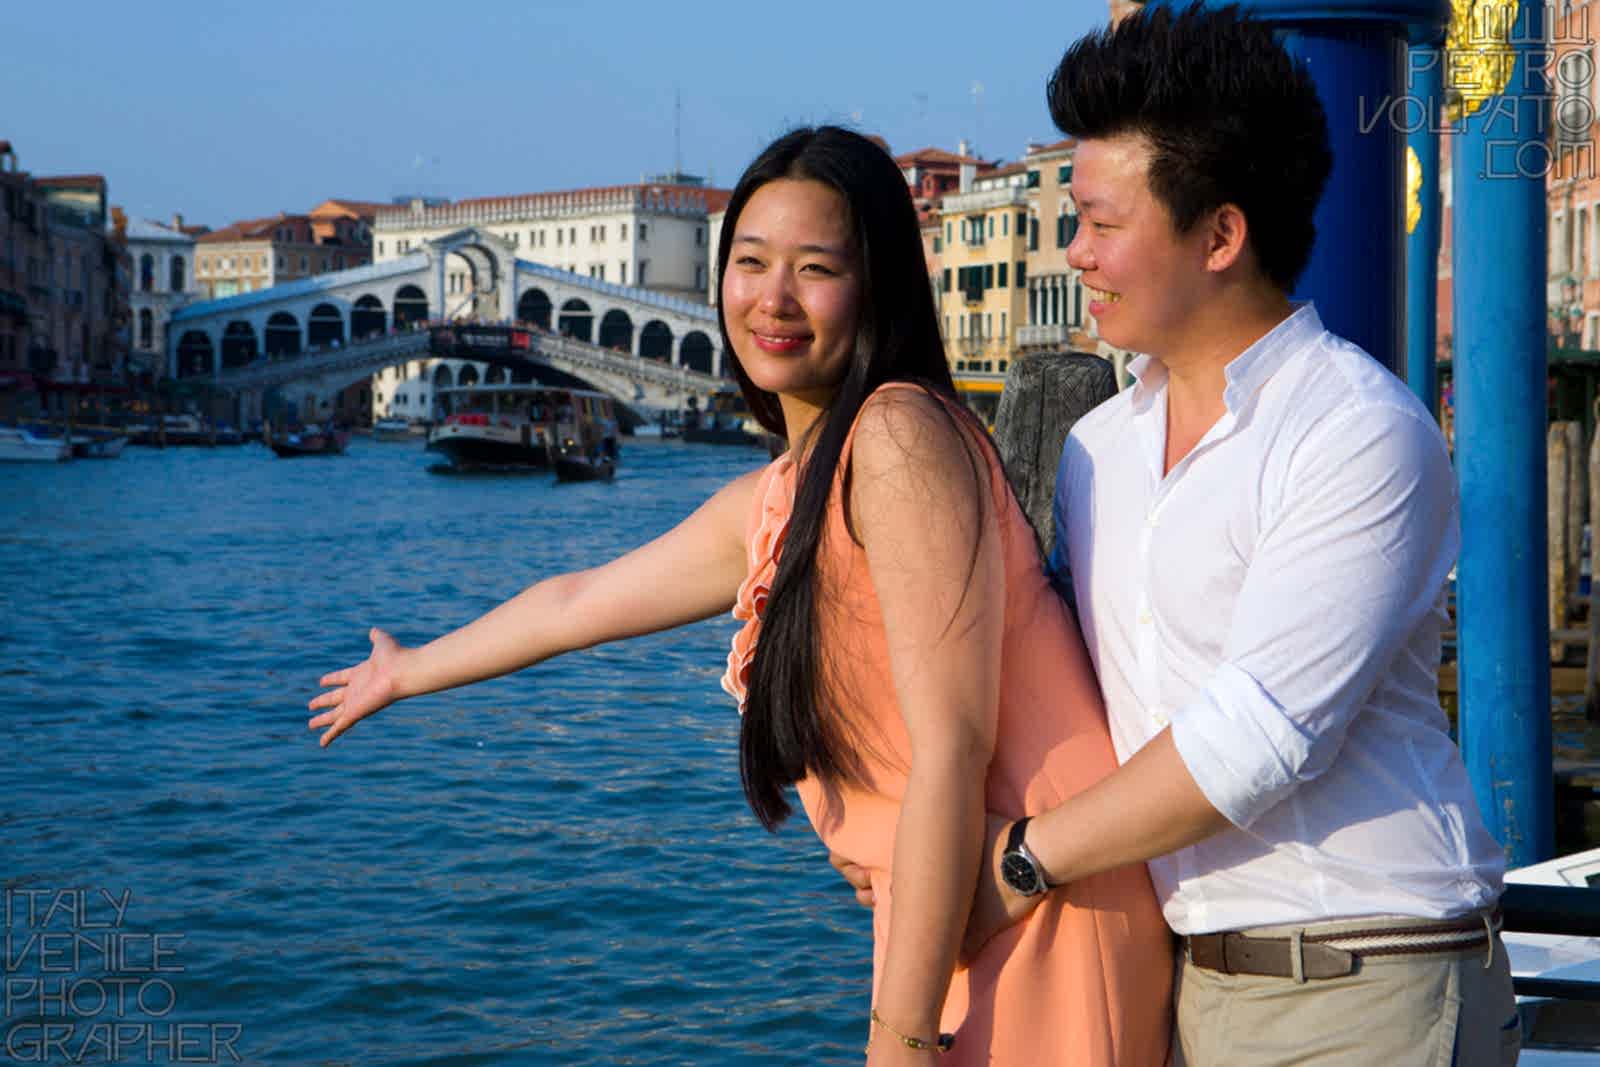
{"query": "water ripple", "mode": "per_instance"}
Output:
(552, 867)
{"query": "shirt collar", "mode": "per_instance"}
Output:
(1247, 371)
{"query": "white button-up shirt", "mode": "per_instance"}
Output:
(1277, 598)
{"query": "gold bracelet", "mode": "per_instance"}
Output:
(945, 1042)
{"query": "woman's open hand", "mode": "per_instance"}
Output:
(356, 692)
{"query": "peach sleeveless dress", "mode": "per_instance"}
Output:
(1086, 980)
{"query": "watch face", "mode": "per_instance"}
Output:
(1019, 874)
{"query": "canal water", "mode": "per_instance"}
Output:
(555, 867)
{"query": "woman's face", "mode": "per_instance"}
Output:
(791, 293)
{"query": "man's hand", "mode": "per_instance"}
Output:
(994, 906)
(857, 876)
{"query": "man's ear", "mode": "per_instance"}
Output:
(1227, 237)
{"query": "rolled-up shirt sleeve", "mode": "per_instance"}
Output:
(1345, 568)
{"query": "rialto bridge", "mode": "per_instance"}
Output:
(317, 336)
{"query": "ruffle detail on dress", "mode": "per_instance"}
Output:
(766, 544)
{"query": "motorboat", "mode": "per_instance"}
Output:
(392, 429)
(19, 444)
(310, 441)
(1558, 1031)
(516, 426)
(725, 421)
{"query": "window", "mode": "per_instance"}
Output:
(1064, 173)
(1022, 273)
(1002, 330)
(1001, 276)
(622, 234)
(622, 272)
(699, 276)
(175, 270)
(644, 264)
(561, 236)
(147, 272)
(280, 260)
(146, 329)
(988, 275)
(644, 235)
(380, 252)
(1022, 223)
(990, 225)
(1033, 179)
(946, 288)
(572, 235)
(699, 236)
(1066, 229)
(936, 244)
(1005, 225)
(305, 263)
(601, 269)
(947, 237)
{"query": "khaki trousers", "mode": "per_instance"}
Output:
(1444, 1010)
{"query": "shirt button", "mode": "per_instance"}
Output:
(1160, 717)
(1144, 618)
(1150, 519)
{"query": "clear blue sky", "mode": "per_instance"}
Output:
(228, 110)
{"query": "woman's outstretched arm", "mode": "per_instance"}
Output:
(691, 572)
(921, 501)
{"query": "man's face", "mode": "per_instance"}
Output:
(1145, 280)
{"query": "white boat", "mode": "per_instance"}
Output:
(523, 426)
(17, 444)
(1558, 1033)
(391, 429)
(98, 445)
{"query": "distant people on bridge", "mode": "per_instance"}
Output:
(884, 573)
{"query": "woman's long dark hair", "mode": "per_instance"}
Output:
(786, 731)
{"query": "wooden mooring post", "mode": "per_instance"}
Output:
(1043, 396)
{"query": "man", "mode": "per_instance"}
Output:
(1258, 535)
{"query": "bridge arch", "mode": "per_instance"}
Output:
(696, 352)
(324, 326)
(238, 344)
(534, 306)
(655, 341)
(367, 318)
(195, 354)
(577, 320)
(616, 331)
(410, 305)
(282, 335)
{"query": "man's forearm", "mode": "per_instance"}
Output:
(1148, 807)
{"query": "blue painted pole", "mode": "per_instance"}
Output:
(1355, 51)
(1498, 166)
(1424, 84)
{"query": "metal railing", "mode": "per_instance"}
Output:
(393, 348)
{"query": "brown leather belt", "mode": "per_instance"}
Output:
(1334, 954)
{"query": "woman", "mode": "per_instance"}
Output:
(903, 662)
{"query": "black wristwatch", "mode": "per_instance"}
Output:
(1019, 867)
